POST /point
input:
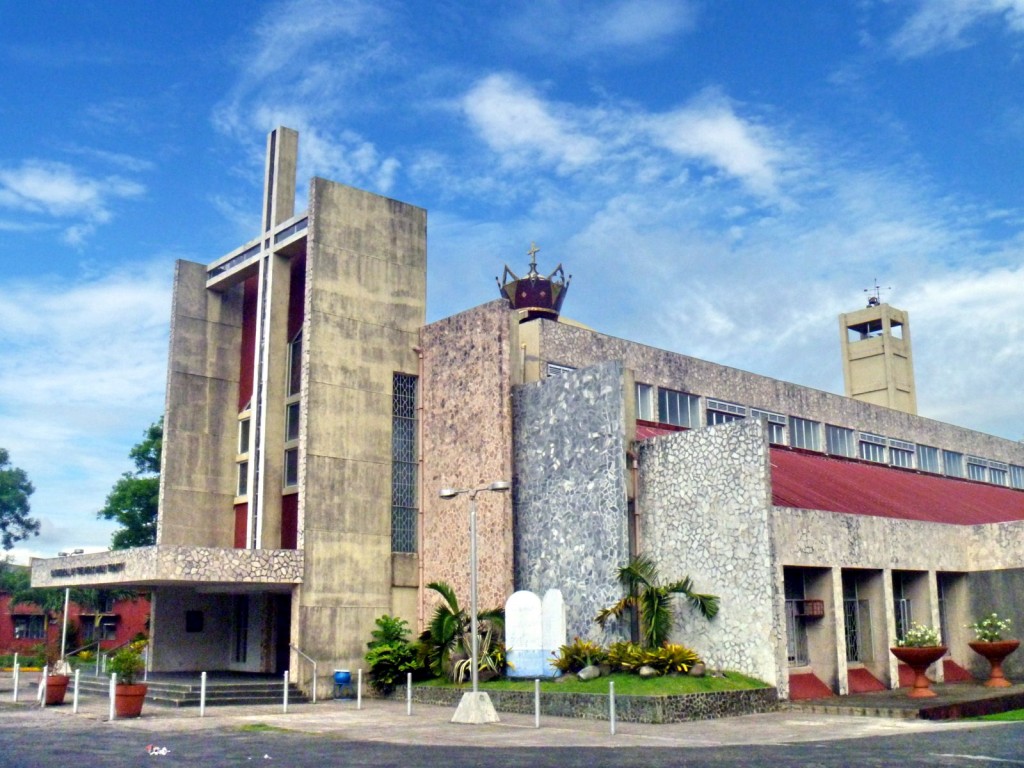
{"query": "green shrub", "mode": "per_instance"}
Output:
(624, 656)
(671, 657)
(579, 654)
(390, 655)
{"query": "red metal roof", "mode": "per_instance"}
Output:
(813, 481)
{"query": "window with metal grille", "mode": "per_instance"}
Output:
(1016, 477)
(403, 463)
(678, 408)
(554, 369)
(998, 472)
(872, 447)
(721, 412)
(804, 433)
(901, 454)
(977, 469)
(775, 423)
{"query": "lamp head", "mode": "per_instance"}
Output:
(499, 485)
(448, 493)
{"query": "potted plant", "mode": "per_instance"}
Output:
(991, 644)
(128, 664)
(919, 648)
(58, 676)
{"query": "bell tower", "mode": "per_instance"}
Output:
(878, 366)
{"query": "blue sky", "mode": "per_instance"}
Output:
(721, 178)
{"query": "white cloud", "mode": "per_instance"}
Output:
(521, 127)
(709, 130)
(84, 374)
(59, 191)
(590, 28)
(943, 24)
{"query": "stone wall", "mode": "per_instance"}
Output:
(704, 506)
(628, 709)
(570, 496)
(467, 434)
(569, 345)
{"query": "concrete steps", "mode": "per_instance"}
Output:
(186, 692)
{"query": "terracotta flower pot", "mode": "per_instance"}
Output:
(919, 659)
(995, 652)
(56, 687)
(128, 700)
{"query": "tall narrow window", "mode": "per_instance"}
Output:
(403, 463)
(242, 456)
(292, 412)
(1016, 477)
(644, 402)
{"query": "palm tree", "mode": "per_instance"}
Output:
(653, 601)
(449, 628)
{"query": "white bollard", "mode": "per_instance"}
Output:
(202, 695)
(359, 689)
(408, 693)
(74, 696)
(286, 691)
(17, 678)
(611, 705)
(42, 685)
(113, 692)
(536, 703)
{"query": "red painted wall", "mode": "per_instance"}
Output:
(133, 616)
(250, 305)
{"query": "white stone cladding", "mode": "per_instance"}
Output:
(704, 506)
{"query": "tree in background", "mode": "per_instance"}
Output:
(15, 523)
(133, 501)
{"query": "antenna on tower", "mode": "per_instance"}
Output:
(875, 294)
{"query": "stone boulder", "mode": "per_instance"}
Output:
(589, 673)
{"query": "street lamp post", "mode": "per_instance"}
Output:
(475, 707)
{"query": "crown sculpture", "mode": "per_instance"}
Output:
(534, 294)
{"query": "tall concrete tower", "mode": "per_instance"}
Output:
(878, 366)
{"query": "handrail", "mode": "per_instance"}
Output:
(312, 661)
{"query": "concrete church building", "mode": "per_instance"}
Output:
(312, 416)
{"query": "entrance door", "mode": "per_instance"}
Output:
(857, 613)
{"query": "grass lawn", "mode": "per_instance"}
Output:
(1013, 714)
(625, 684)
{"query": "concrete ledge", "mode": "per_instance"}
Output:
(171, 565)
(628, 709)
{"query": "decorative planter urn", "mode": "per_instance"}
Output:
(995, 652)
(919, 659)
(128, 699)
(56, 687)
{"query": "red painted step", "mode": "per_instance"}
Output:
(862, 681)
(805, 685)
(954, 673)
